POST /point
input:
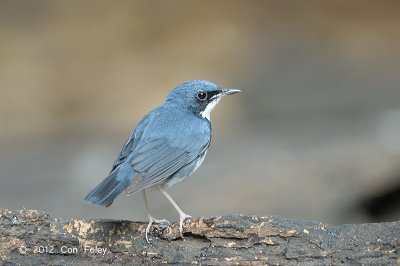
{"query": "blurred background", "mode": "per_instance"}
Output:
(315, 134)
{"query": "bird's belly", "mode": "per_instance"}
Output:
(199, 162)
(184, 172)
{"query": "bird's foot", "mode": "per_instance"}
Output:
(163, 222)
(182, 218)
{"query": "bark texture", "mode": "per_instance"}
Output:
(30, 237)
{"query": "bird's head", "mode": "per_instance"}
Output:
(200, 96)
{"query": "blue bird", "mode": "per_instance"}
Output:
(168, 145)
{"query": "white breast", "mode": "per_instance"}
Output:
(207, 112)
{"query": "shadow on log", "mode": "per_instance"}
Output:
(29, 237)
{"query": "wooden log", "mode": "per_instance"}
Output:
(30, 237)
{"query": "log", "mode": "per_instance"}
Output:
(31, 237)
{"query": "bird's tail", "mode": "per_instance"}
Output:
(116, 182)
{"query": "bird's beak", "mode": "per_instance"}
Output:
(225, 92)
(229, 91)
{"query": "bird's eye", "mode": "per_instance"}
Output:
(202, 96)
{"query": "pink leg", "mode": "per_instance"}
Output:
(182, 216)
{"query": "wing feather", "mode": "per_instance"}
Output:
(158, 159)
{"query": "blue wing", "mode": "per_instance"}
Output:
(162, 153)
(160, 158)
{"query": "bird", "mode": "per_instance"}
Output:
(168, 145)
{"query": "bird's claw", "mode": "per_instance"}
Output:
(164, 223)
(182, 219)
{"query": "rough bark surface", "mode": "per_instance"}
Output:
(30, 237)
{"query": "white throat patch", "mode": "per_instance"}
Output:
(207, 112)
